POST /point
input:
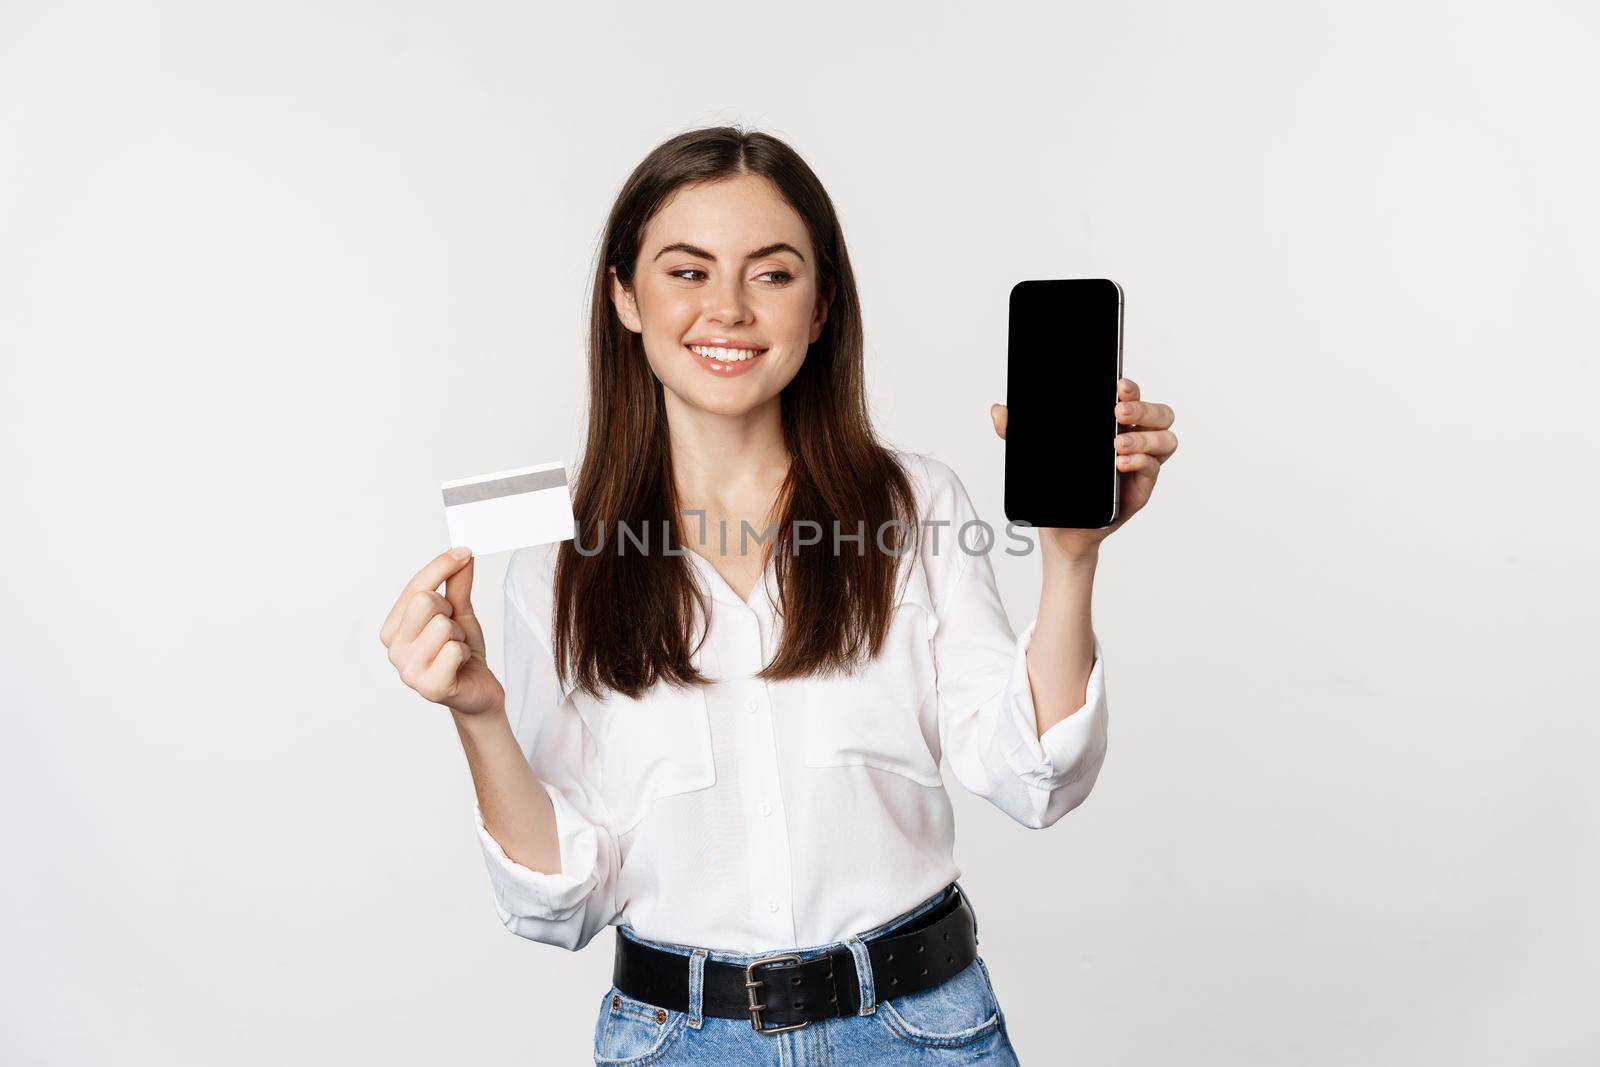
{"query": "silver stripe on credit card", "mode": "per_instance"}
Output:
(521, 483)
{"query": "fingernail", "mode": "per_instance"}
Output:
(1124, 441)
(1123, 409)
(461, 552)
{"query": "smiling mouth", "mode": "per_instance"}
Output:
(723, 354)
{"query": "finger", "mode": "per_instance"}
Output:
(438, 681)
(999, 414)
(1127, 389)
(1144, 413)
(438, 569)
(1139, 463)
(422, 652)
(458, 590)
(420, 610)
(1157, 443)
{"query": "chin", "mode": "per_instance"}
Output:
(720, 403)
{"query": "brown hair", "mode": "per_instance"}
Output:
(623, 618)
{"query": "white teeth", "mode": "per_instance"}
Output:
(725, 355)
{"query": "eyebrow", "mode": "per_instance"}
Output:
(696, 250)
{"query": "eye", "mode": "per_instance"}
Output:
(783, 276)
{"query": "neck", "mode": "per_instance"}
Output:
(723, 461)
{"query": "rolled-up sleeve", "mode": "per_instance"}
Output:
(566, 908)
(1073, 749)
(988, 723)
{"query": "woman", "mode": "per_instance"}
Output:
(727, 699)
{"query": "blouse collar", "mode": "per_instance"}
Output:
(765, 590)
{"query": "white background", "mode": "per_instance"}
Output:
(270, 273)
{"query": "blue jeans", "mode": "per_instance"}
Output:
(957, 1021)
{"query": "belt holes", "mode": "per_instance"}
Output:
(949, 959)
(894, 981)
(921, 947)
(924, 970)
(890, 958)
(795, 980)
(947, 935)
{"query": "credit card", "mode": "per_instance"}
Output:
(509, 509)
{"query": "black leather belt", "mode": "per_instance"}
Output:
(784, 992)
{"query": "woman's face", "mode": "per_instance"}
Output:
(724, 295)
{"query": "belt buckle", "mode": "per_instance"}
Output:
(752, 983)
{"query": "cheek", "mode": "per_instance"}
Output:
(665, 325)
(662, 353)
(667, 311)
(790, 317)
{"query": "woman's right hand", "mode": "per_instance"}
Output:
(436, 643)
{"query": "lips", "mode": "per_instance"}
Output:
(732, 367)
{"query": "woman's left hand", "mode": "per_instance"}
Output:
(1144, 441)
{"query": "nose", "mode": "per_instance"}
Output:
(725, 301)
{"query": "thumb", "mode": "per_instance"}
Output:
(998, 414)
(458, 590)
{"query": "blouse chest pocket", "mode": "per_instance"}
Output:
(875, 718)
(656, 746)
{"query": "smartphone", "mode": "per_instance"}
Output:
(1063, 359)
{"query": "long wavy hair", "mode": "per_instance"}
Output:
(624, 620)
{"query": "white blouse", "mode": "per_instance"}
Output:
(751, 816)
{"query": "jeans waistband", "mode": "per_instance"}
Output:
(742, 958)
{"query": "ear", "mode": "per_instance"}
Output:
(622, 299)
(820, 319)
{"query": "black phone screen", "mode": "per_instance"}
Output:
(1064, 357)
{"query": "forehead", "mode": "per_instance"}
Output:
(729, 217)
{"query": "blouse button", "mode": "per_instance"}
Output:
(754, 705)
(772, 905)
(765, 809)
